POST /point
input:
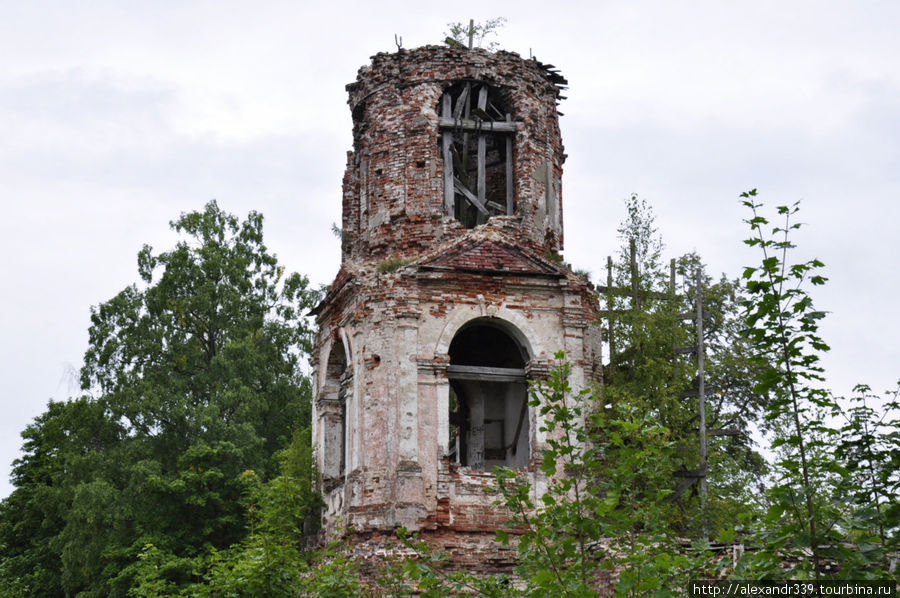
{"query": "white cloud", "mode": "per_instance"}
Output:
(115, 117)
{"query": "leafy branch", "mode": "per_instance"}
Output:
(459, 35)
(783, 325)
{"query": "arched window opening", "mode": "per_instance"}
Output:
(476, 145)
(332, 406)
(489, 424)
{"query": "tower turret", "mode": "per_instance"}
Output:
(446, 139)
(449, 297)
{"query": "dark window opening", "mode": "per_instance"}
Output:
(489, 424)
(485, 345)
(476, 145)
(332, 405)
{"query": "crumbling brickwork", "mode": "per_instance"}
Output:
(393, 186)
(450, 295)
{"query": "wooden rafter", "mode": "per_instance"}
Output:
(482, 151)
(485, 373)
(478, 126)
(462, 117)
(473, 199)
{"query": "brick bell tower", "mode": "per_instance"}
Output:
(448, 297)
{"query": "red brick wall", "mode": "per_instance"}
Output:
(396, 148)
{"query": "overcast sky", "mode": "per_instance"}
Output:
(115, 117)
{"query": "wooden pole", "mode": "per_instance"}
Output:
(635, 298)
(610, 305)
(672, 276)
(481, 183)
(701, 391)
(509, 171)
(447, 141)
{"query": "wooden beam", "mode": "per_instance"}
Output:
(509, 172)
(457, 184)
(475, 432)
(672, 276)
(446, 105)
(692, 315)
(691, 473)
(606, 313)
(447, 144)
(466, 124)
(514, 445)
(464, 163)
(363, 185)
(625, 292)
(481, 188)
(704, 447)
(550, 197)
(485, 374)
(460, 103)
(610, 308)
(632, 261)
(493, 107)
(684, 485)
(723, 432)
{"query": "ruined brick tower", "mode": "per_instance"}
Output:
(451, 293)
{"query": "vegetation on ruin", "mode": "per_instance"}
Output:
(472, 34)
(391, 264)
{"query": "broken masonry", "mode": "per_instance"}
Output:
(450, 296)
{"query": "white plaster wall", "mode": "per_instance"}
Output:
(398, 410)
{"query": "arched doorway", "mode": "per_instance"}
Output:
(489, 423)
(332, 407)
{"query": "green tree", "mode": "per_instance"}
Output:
(64, 448)
(273, 559)
(194, 378)
(868, 445)
(209, 348)
(605, 512)
(559, 530)
(653, 368)
(614, 451)
(783, 325)
(833, 492)
(283, 515)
